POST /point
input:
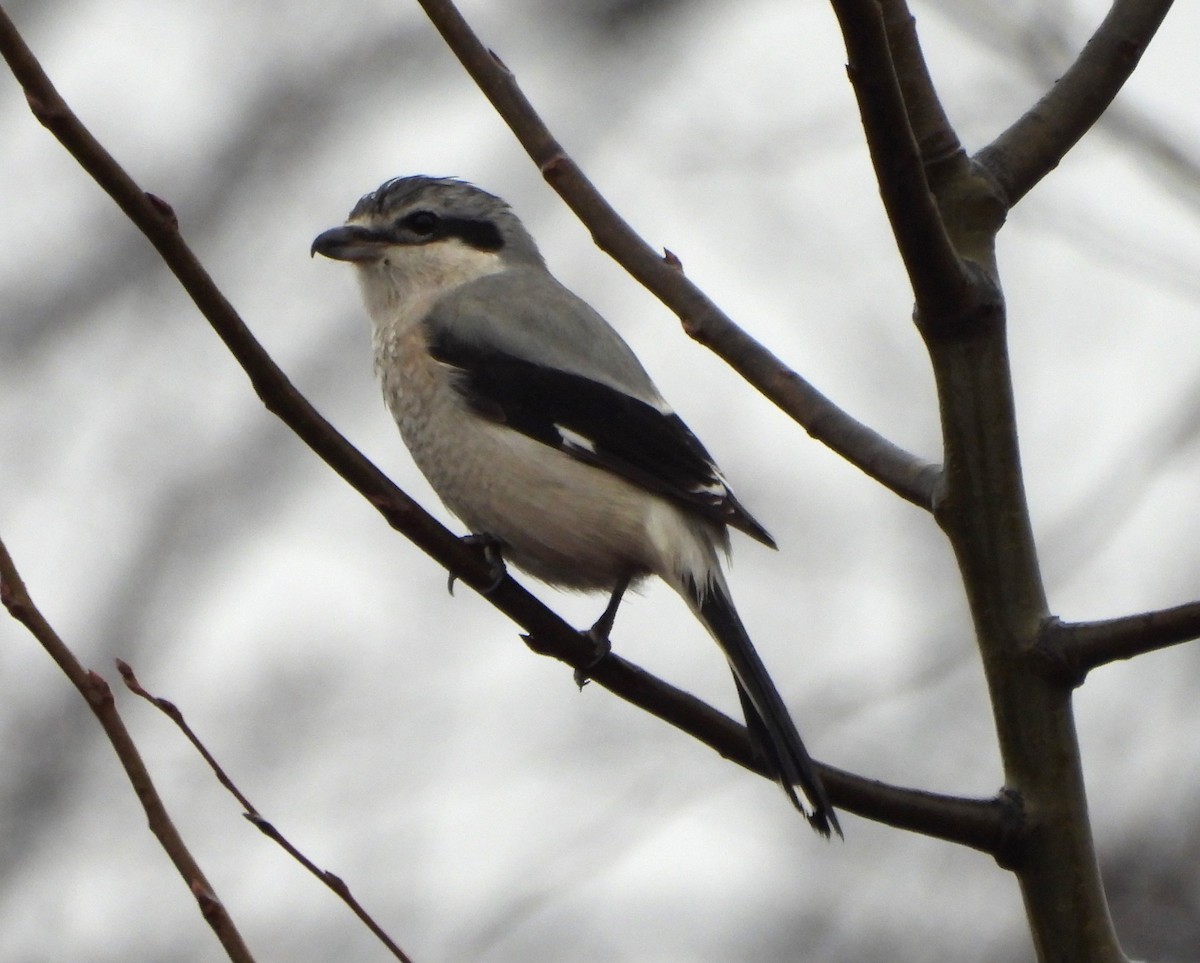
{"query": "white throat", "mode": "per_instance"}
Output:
(399, 288)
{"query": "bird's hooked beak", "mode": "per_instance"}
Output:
(350, 242)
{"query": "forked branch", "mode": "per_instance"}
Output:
(255, 818)
(99, 697)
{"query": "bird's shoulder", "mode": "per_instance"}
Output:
(525, 313)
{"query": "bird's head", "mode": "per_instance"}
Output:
(418, 236)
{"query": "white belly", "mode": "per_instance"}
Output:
(564, 521)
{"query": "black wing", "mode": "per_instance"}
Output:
(596, 424)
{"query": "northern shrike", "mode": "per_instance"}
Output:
(537, 426)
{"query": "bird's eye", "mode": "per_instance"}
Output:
(423, 223)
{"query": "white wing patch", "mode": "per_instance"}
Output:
(716, 488)
(574, 440)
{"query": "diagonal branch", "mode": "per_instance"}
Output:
(912, 478)
(1033, 146)
(993, 826)
(267, 828)
(977, 823)
(1075, 648)
(99, 697)
(157, 222)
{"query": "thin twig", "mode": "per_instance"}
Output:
(268, 829)
(912, 478)
(1033, 146)
(1075, 648)
(99, 697)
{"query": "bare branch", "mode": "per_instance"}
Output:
(992, 826)
(331, 880)
(911, 478)
(1033, 146)
(943, 288)
(948, 248)
(935, 137)
(99, 697)
(1075, 648)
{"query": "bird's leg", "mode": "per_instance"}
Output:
(598, 633)
(492, 549)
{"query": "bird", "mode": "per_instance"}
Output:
(537, 426)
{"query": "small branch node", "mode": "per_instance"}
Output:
(536, 645)
(41, 109)
(130, 680)
(556, 166)
(1054, 661)
(336, 883)
(99, 693)
(1012, 831)
(165, 210)
(263, 825)
(210, 906)
(499, 63)
(693, 327)
(11, 600)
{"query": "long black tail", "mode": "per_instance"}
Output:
(766, 716)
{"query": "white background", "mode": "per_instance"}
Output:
(475, 802)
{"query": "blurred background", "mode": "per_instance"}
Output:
(476, 803)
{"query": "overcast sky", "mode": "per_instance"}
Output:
(477, 804)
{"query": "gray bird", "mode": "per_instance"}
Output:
(537, 426)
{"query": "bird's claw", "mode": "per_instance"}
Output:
(492, 549)
(602, 646)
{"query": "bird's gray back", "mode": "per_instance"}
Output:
(525, 312)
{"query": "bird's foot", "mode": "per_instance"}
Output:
(601, 647)
(599, 633)
(492, 550)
